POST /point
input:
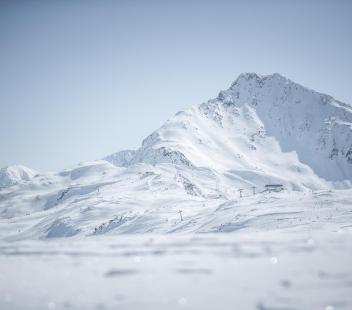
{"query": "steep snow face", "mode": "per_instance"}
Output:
(230, 140)
(121, 159)
(314, 125)
(262, 129)
(11, 175)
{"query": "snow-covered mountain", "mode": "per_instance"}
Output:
(11, 175)
(316, 126)
(261, 127)
(204, 170)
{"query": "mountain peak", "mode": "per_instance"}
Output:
(252, 76)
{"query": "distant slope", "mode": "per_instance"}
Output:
(11, 175)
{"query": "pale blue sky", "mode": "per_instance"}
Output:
(82, 79)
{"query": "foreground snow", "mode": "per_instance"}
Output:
(287, 250)
(272, 270)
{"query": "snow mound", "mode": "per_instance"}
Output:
(12, 175)
(87, 169)
(62, 228)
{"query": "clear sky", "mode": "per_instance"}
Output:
(82, 79)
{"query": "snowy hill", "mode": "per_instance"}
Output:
(205, 170)
(11, 175)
